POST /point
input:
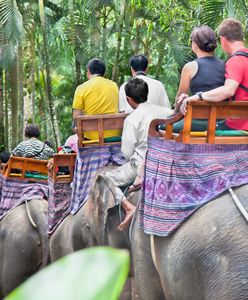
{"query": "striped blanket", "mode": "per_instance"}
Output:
(16, 191)
(58, 204)
(180, 178)
(90, 161)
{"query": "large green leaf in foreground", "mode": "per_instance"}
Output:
(91, 274)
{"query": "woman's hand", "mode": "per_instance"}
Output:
(185, 102)
(184, 105)
(182, 97)
(179, 101)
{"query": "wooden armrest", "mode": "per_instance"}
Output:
(153, 128)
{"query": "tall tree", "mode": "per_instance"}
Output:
(48, 84)
(1, 111)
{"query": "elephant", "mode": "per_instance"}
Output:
(205, 258)
(93, 225)
(24, 248)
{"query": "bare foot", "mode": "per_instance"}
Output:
(129, 209)
(134, 188)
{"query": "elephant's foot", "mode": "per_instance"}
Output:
(129, 209)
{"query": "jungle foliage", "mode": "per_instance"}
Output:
(46, 44)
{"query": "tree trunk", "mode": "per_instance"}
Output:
(48, 85)
(6, 117)
(21, 101)
(104, 34)
(160, 57)
(32, 51)
(2, 142)
(14, 97)
(115, 72)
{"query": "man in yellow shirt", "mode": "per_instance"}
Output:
(96, 96)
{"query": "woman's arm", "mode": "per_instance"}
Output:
(188, 72)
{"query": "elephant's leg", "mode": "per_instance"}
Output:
(147, 279)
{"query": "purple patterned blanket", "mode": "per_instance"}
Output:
(58, 204)
(1, 185)
(16, 191)
(88, 164)
(180, 178)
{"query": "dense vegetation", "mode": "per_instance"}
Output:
(45, 45)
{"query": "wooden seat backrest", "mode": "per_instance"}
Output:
(24, 165)
(98, 123)
(63, 160)
(205, 110)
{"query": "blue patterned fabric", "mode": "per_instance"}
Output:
(90, 161)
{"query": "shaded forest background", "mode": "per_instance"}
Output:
(46, 44)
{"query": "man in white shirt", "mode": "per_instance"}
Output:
(134, 140)
(157, 94)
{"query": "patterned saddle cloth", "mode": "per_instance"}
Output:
(179, 178)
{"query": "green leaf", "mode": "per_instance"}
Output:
(90, 274)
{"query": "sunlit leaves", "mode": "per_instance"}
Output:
(11, 31)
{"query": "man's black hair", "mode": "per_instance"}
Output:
(32, 130)
(137, 89)
(139, 63)
(4, 157)
(96, 66)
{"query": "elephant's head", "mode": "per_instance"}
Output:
(96, 209)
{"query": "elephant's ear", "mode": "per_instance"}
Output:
(103, 199)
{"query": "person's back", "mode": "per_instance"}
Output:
(202, 74)
(32, 147)
(210, 74)
(96, 96)
(235, 86)
(134, 141)
(136, 126)
(157, 94)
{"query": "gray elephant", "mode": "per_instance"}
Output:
(205, 258)
(24, 249)
(94, 224)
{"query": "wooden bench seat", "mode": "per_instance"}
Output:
(66, 160)
(99, 123)
(19, 167)
(210, 111)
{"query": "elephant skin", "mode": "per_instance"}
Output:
(23, 248)
(93, 225)
(205, 258)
